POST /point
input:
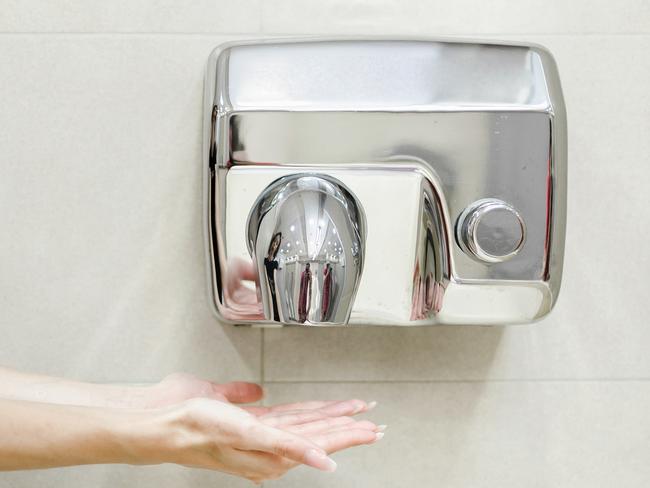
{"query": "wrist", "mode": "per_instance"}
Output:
(121, 396)
(145, 436)
(175, 434)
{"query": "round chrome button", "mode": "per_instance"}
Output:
(490, 230)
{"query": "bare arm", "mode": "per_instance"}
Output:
(200, 433)
(16, 385)
(173, 389)
(47, 422)
(41, 435)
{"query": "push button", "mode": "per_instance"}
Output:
(490, 230)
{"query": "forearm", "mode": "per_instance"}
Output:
(201, 432)
(40, 435)
(39, 388)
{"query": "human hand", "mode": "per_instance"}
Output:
(178, 387)
(264, 445)
(182, 419)
(326, 426)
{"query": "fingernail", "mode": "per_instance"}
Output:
(319, 459)
(379, 436)
(371, 405)
(381, 428)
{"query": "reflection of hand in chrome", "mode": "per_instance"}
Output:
(427, 295)
(242, 302)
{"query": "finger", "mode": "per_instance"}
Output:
(256, 466)
(256, 410)
(285, 444)
(320, 426)
(339, 437)
(313, 419)
(286, 407)
(327, 426)
(358, 424)
(331, 409)
(239, 391)
(309, 405)
(348, 407)
(292, 418)
(336, 441)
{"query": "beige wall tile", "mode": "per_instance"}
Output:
(164, 16)
(500, 434)
(467, 17)
(102, 249)
(420, 17)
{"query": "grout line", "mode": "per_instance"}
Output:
(446, 35)
(516, 380)
(129, 33)
(262, 372)
(256, 34)
(262, 382)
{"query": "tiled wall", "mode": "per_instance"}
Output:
(101, 259)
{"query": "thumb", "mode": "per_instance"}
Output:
(240, 392)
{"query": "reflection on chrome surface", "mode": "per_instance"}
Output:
(306, 235)
(432, 270)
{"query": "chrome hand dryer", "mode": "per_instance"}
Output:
(383, 182)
